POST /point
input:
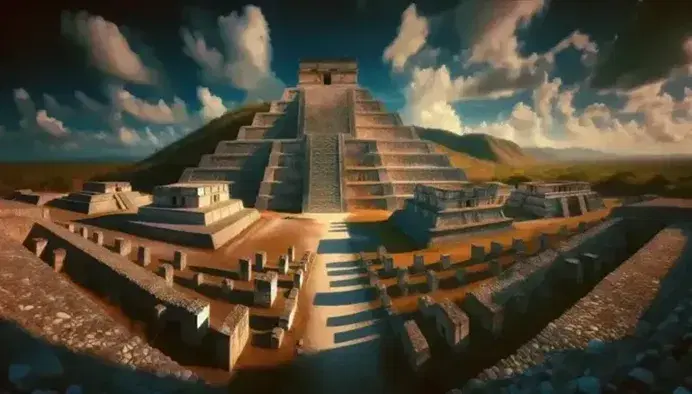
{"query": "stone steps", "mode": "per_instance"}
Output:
(419, 174)
(386, 133)
(283, 174)
(398, 160)
(368, 119)
(246, 147)
(280, 202)
(362, 95)
(324, 175)
(255, 132)
(469, 217)
(279, 106)
(227, 160)
(360, 146)
(192, 216)
(368, 106)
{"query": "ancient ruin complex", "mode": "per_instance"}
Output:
(437, 214)
(555, 199)
(102, 197)
(326, 146)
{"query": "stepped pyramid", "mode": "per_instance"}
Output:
(326, 146)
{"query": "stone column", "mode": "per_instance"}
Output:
(283, 264)
(432, 280)
(402, 281)
(260, 261)
(97, 237)
(477, 253)
(199, 279)
(38, 245)
(70, 227)
(227, 286)
(123, 246)
(573, 270)
(496, 248)
(245, 269)
(298, 278)
(291, 253)
(518, 245)
(277, 337)
(266, 289)
(84, 232)
(143, 256)
(388, 263)
(418, 263)
(168, 273)
(180, 260)
(445, 261)
(543, 242)
(59, 259)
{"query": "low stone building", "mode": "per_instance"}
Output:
(554, 199)
(102, 197)
(437, 214)
(233, 336)
(194, 214)
(453, 324)
(415, 345)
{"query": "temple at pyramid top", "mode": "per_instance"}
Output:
(328, 72)
(326, 146)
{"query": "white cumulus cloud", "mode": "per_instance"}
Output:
(108, 49)
(411, 37)
(245, 61)
(159, 113)
(212, 106)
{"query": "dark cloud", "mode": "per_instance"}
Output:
(649, 48)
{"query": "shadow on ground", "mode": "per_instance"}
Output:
(366, 237)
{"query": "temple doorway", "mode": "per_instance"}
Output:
(327, 78)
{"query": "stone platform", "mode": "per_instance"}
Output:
(554, 199)
(193, 214)
(102, 197)
(29, 196)
(437, 215)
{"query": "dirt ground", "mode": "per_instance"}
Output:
(272, 234)
(401, 250)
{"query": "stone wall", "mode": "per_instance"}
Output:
(135, 288)
(44, 314)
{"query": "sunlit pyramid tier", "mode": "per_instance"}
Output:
(242, 162)
(554, 199)
(326, 146)
(194, 214)
(102, 197)
(443, 214)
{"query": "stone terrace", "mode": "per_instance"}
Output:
(610, 312)
(48, 306)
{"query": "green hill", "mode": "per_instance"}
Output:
(478, 146)
(166, 165)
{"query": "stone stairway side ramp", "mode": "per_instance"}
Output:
(327, 110)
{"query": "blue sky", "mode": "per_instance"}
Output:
(82, 81)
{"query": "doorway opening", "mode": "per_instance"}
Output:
(327, 78)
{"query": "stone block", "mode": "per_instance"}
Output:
(418, 263)
(426, 305)
(477, 253)
(445, 261)
(143, 256)
(38, 245)
(384, 296)
(227, 286)
(84, 232)
(123, 246)
(581, 227)
(58, 259)
(432, 280)
(543, 242)
(496, 248)
(283, 264)
(519, 303)
(381, 253)
(277, 337)
(245, 269)
(97, 237)
(180, 260)
(233, 336)
(291, 254)
(265, 291)
(260, 261)
(45, 213)
(167, 272)
(518, 245)
(494, 267)
(388, 263)
(402, 281)
(70, 227)
(373, 279)
(298, 278)
(460, 276)
(198, 279)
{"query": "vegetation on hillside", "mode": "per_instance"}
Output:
(478, 146)
(481, 157)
